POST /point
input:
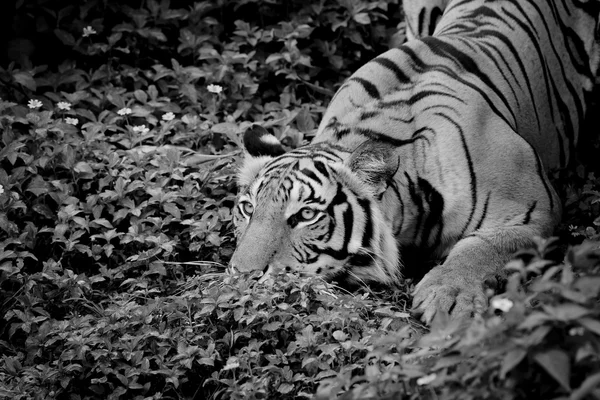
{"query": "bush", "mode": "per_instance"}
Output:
(119, 143)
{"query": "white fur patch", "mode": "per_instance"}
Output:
(270, 139)
(250, 168)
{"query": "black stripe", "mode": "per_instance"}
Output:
(447, 50)
(435, 212)
(420, 66)
(368, 86)
(527, 217)
(360, 260)
(486, 47)
(396, 191)
(484, 212)
(473, 180)
(321, 168)
(417, 201)
(434, 17)
(371, 134)
(309, 173)
(368, 231)
(423, 94)
(369, 114)
(392, 67)
(421, 21)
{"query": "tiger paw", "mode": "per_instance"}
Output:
(448, 291)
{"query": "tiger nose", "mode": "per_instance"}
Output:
(243, 262)
(237, 264)
(234, 268)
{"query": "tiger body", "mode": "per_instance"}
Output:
(439, 147)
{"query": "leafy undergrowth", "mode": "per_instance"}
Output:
(119, 140)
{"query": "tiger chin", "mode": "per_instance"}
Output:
(315, 210)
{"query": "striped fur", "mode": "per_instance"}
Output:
(422, 17)
(438, 148)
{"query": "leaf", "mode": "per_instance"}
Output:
(511, 360)
(362, 18)
(65, 37)
(285, 388)
(272, 326)
(273, 57)
(387, 311)
(591, 324)
(38, 186)
(157, 268)
(140, 96)
(567, 311)
(189, 90)
(102, 222)
(304, 120)
(172, 209)
(589, 286)
(25, 79)
(206, 361)
(226, 297)
(557, 364)
(533, 320)
(225, 128)
(590, 383)
(238, 313)
(307, 361)
(585, 255)
(340, 336)
(207, 309)
(83, 167)
(232, 362)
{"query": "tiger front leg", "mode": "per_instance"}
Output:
(456, 286)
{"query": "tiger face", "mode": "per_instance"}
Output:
(309, 211)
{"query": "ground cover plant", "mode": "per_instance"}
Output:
(120, 129)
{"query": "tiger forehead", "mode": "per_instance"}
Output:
(302, 179)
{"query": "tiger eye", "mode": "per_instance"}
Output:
(247, 208)
(307, 214)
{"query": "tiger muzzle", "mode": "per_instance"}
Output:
(256, 249)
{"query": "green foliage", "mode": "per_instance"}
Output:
(120, 132)
(215, 337)
(539, 339)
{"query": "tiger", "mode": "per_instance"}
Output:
(422, 16)
(431, 160)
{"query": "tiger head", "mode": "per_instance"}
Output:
(316, 210)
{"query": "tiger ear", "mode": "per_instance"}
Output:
(259, 142)
(260, 147)
(375, 163)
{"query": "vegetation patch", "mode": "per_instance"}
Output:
(120, 129)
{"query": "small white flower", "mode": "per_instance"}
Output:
(140, 129)
(501, 304)
(214, 89)
(124, 111)
(1, 189)
(63, 105)
(71, 121)
(34, 103)
(88, 31)
(424, 380)
(168, 116)
(577, 331)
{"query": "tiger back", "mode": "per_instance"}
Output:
(439, 148)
